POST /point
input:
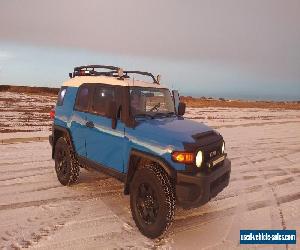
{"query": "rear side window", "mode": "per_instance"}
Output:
(102, 97)
(61, 96)
(82, 99)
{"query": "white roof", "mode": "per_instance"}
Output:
(78, 80)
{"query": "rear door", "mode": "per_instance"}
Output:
(104, 145)
(78, 126)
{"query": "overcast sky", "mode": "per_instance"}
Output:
(232, 48)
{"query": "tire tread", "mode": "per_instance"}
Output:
(170, 200)
(74, 164)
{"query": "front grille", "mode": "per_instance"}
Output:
(212, 150)
(207, 142)
(211, 153)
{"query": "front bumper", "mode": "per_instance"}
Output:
(196, 190)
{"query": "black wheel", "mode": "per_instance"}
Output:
(152, 200)
(66, 166)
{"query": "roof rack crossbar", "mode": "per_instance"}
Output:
(95, 67)
(144, 73)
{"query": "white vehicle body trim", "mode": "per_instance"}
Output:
(79, 80)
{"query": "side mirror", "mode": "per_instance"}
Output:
(176, 101)
(111, 112)
(181, 109)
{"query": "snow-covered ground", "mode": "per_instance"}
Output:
(23, 112)
(264, 191)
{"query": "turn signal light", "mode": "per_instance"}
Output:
(52, 113)
(183, 157)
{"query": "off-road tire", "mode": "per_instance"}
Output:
(65, 157)
(155, 177)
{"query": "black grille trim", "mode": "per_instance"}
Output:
(209, 142)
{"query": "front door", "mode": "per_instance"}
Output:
(78, 126)
(104, 145)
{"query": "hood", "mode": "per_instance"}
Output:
(173, 131)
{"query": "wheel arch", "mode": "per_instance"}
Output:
(59, 131)
(134, 159)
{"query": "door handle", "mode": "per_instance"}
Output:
(90, 124)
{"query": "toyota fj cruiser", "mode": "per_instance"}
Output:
(134, 130)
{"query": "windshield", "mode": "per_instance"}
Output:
(151, 102)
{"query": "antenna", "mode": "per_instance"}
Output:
(158, 77)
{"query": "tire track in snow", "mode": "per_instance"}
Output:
(23, 140)
(197, 221)
(23, 162)
(82, 197)
(39, 226)
(26, 176)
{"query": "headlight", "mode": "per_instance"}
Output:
(223, 147)
(199, 159)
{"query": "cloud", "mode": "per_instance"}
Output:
(260, 37)
(5, 55)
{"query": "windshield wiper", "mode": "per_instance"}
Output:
(143, 116)
(155, 115)
(155, 107)
(160, 115)
(168, 114)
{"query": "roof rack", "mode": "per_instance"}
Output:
(113, 71)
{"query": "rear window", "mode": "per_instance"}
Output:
(61, 96)
(82, 99)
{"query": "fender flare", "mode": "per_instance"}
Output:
(55, 136)
(132, 168)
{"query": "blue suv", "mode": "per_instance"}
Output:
(134, 130)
